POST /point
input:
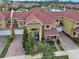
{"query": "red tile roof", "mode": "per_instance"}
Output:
(4, 14)
(19, 15)
(50, 32)
(44, 16)
(76, 29)
(73, 15)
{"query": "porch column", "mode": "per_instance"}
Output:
(40, 34)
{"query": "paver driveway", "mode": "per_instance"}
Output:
(67, 43)
(16, 47)
(2, 42)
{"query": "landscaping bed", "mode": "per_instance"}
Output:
(4, 51)
(76, 40)
(62, 57)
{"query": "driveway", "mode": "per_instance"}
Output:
(2, 42)
(15, 48)
(67, 43)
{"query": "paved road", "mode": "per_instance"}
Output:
(16, 47)
(67, 43)
(2, 41)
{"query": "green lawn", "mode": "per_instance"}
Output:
(62, 57)
(3, 53)
(54, 48)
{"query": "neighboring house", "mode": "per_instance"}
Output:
(71, 23)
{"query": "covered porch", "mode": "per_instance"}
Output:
(51, 35)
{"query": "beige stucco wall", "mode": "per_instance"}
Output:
(68, 26)
(20, 25)
(3, 24)
(54, 24)
(37, 26)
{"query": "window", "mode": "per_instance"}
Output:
(74, 33)
(47, 37)
(24, 22)
(15, 21)
(47, 26)
(52, 37)
(55, 37)
(61, 23)
(9, 21)
(57, 20)
(20, 23)
(33, 29)
(77, 23)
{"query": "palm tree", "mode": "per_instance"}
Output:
(11, 26)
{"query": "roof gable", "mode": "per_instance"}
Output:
(41, 15)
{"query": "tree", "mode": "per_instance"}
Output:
(47, 51)
(24, 38)
(9, 39)
(28, 42)
(12, 32)
(31, 45)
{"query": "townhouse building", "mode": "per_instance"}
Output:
(41, 22)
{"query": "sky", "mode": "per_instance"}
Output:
(71, 0)
(44, 0)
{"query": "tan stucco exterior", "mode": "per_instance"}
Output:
(68, 26)
(37, 26)
(3, 24)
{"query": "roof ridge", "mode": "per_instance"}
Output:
(31, 12)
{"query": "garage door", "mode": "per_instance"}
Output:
(7, 32)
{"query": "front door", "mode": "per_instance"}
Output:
(36, 36)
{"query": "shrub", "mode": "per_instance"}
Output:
(12, 32)
(76, 40)
(47, 51)
(9, 39)
(24, 38)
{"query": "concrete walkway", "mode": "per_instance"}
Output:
(16, 47)
(73, 54)
(57, 47)
(67, 43)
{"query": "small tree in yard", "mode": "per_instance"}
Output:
(28, 42)
(47, 51)
(30, 46)
(9, 39)
(24, 38)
